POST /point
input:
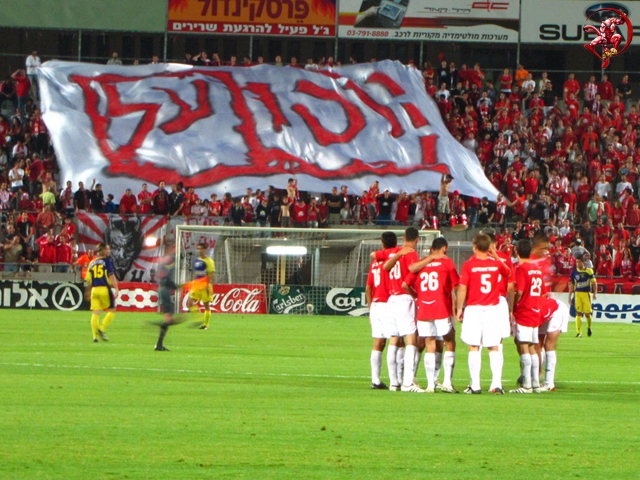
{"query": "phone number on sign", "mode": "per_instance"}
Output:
(367, 33)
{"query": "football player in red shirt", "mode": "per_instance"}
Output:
(530, 287)
(479, 287)
(506, 289)
(377, 293)
(433, 280)
(401, 305)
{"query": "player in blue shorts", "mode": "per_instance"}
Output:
(99, 281)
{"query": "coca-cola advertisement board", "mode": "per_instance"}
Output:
(236, 299)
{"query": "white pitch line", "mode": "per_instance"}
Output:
(301, 375)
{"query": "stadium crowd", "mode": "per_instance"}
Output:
(564, 157)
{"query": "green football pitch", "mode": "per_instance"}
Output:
(288, 397)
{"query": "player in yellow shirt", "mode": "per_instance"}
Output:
(203, 269)
(583, 282)
(99, 280)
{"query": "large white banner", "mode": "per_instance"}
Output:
(225, 129)
(437, 20)
(551, 21)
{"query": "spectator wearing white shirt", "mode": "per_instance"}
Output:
(114, 60)
(602, 187)
(443, 91)
(20, 150)
(512, 153)
(622, 186)
(32, 63)
(16, 176)
(529, 81)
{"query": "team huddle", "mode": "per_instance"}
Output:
(415, 305)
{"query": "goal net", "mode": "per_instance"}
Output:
(299, 266)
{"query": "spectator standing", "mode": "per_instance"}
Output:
(47, 197)
(605, 88)
(64, 255)
(66, 198)
(176, 200)
(237, 213)
(300, 212)
(335, 203)
(160, 200)
(32, 63)
(36, 174)
(114, 60)
(16, 176)
(145, 200)
(12, 251)
(385, 202)
(624, 89)
(48, 248)
(45, 220)
(40, 133)
(262, 213)
(24, 229)
(109, 206)
(81, 198)
(522, 75)
(96, 197)
(23, 87)
(128, 203)
(84, 261)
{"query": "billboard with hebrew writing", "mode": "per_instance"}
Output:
(439, 20)
(312, 18)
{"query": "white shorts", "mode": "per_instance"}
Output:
(559, 321)
(505, 318)
(435, 328)
(378, 316)
(481, 326)
(402, 310)
(526, 334)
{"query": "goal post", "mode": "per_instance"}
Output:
(291, 263)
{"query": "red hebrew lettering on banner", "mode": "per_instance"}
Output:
(233, 128)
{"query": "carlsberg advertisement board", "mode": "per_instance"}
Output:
(298, 299)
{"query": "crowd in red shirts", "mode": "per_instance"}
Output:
(557, 153)
(564, 157)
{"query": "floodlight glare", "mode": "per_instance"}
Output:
(286, 250)
(150, 242)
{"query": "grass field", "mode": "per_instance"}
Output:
(288, 397)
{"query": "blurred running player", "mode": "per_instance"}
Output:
(99, 280)
(166, 291)
(433, 284)
(401, 305)
(377, 295)
(479, 287)
(583, 283)
(526, 313)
